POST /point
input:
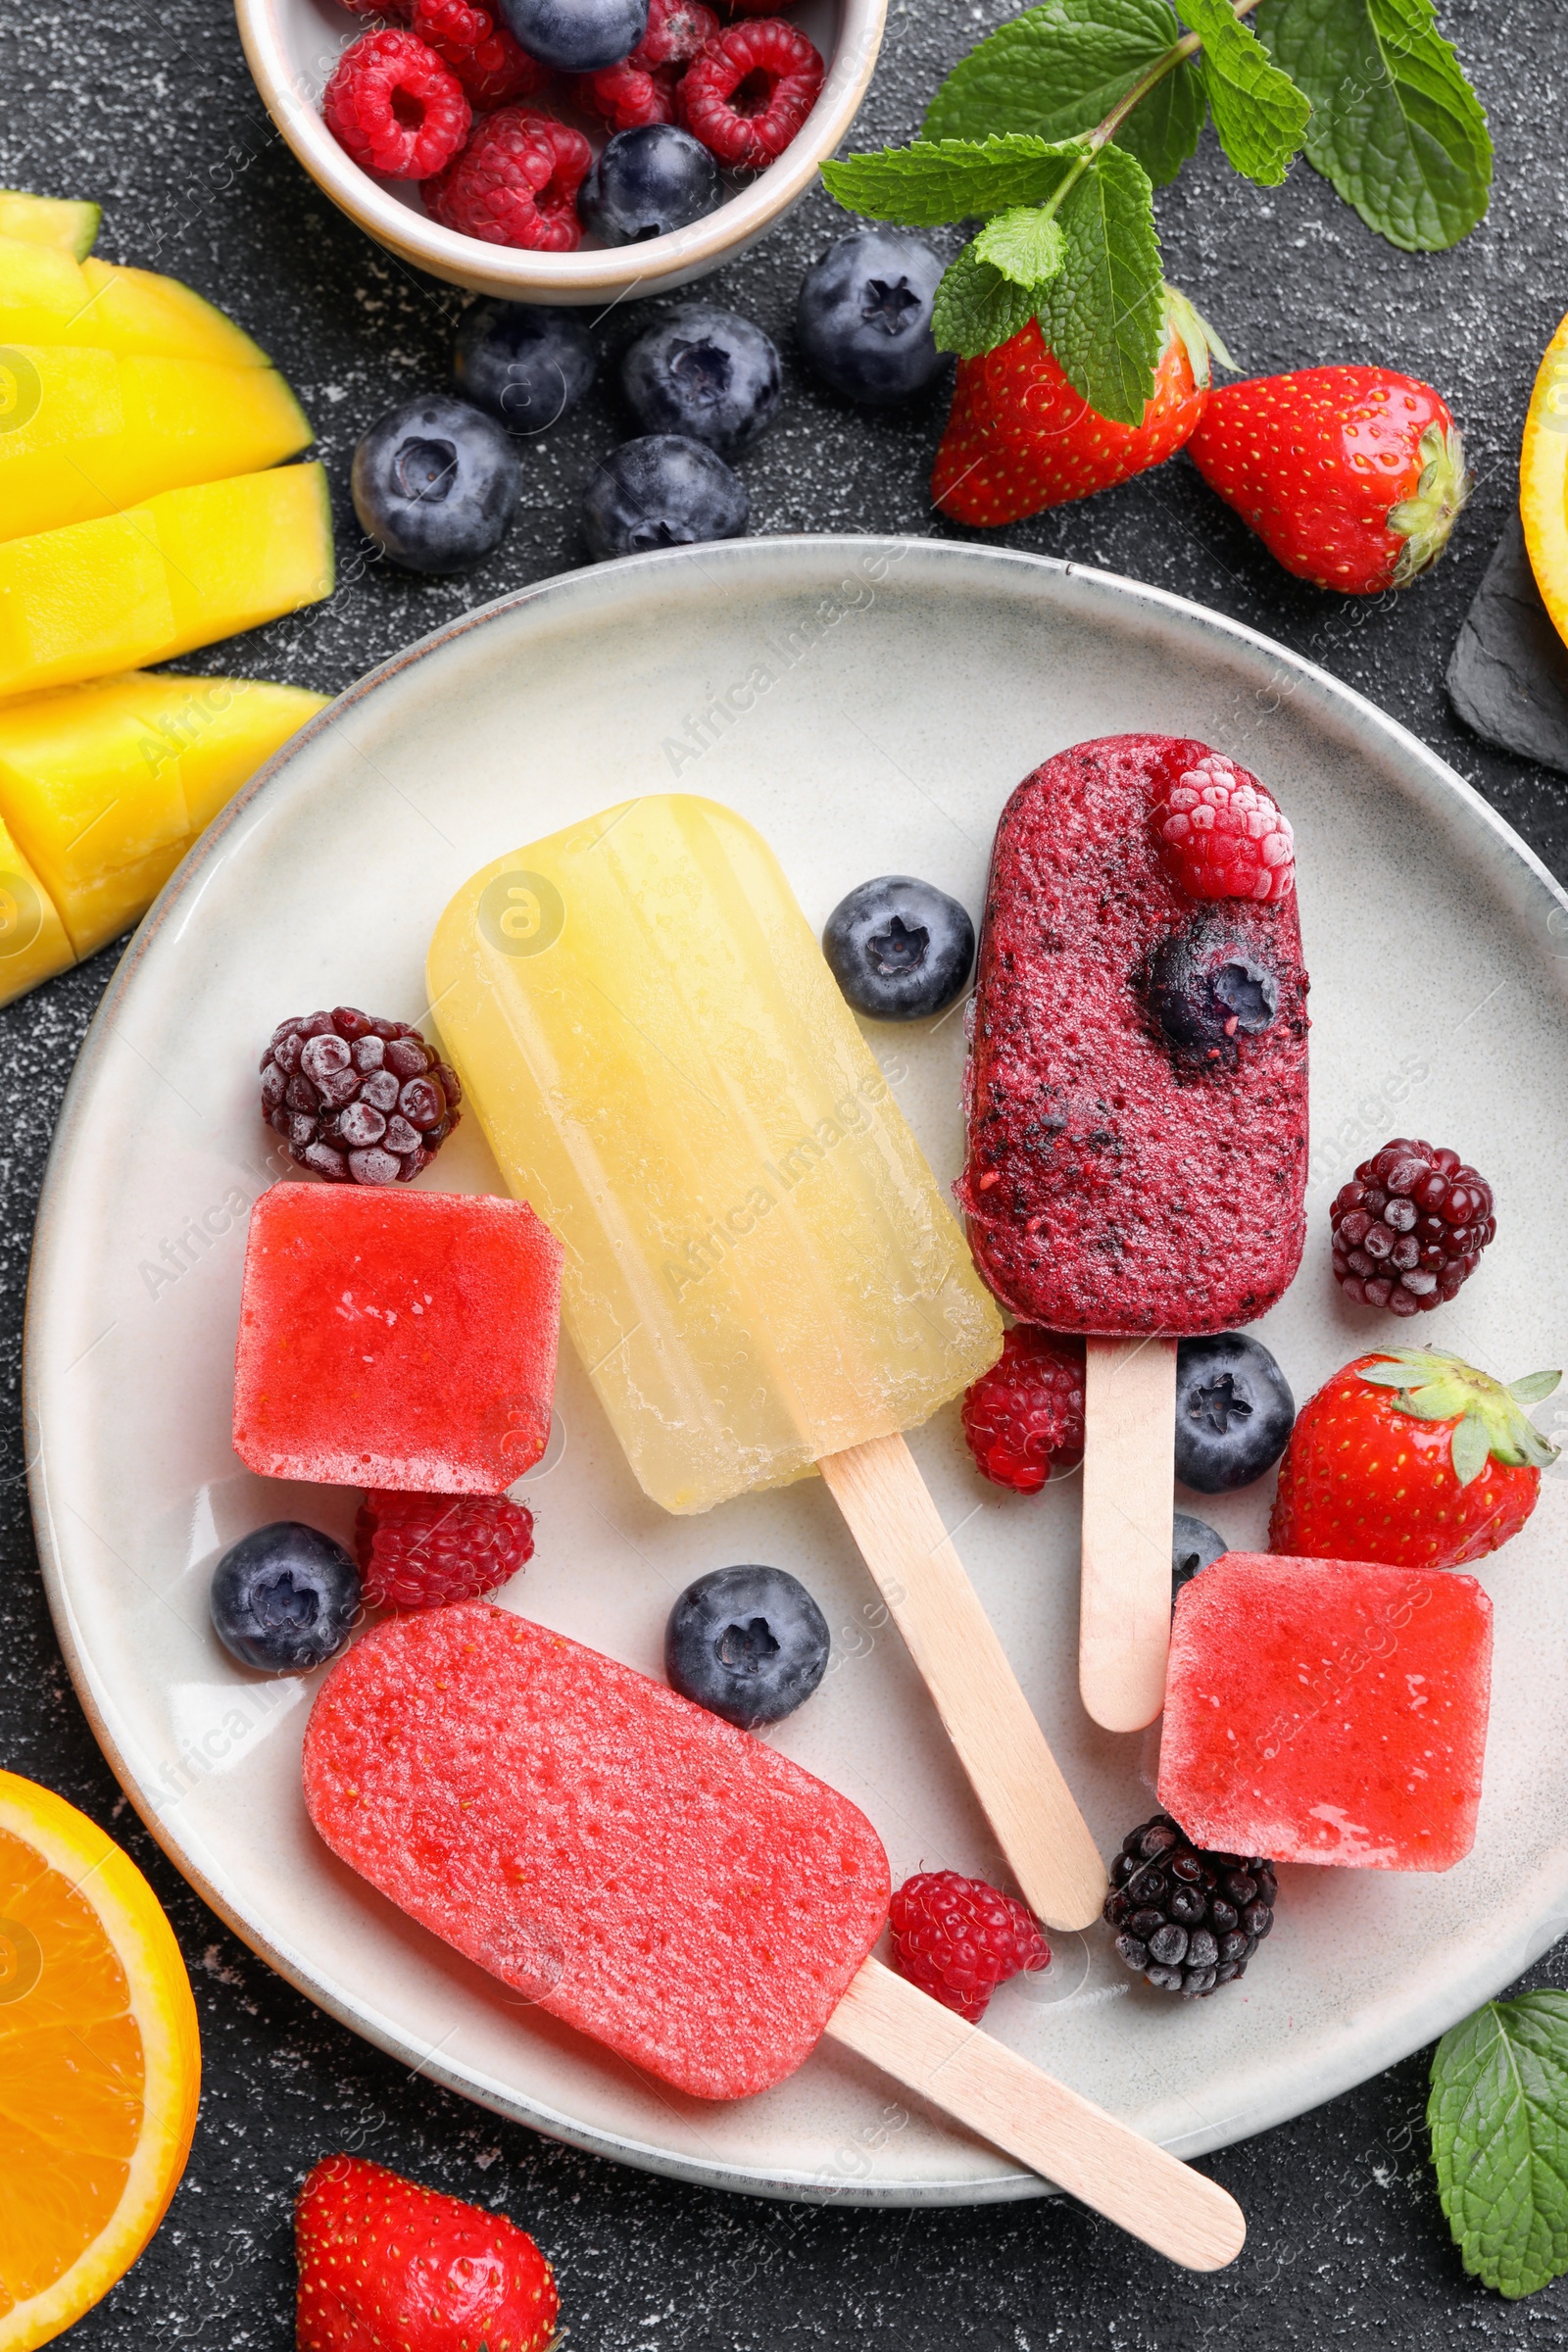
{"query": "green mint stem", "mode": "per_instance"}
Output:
(1188, 46)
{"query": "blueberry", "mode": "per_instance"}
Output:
(1207, 986)
(576, 36)
(864, 316)
(435, 484)
(664, 491)
(748, 1644)
(1234, 1412)
(1193, 1544)
(648, 182)
(899, 949)
(525, 363)
(285, 1598)
(705, 373)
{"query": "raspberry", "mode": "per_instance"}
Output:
(516, 182)
(747, 93)
(678, 32)
(392, 106)
(626, 96)
(1409, 1228)
(1024, 1418)
(419, 1552)
(361, 1102)
(491, 67)
(1221, 836)
(959, 1938)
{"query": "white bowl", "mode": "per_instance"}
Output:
(293, 45)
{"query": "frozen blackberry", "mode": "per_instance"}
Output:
(1188, 1921)
(1409, 1227)
(360, 1101)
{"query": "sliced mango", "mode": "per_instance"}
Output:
(62, 221)
(179, 571)
(33, 940)
(105, 786)
(47, 297)
(90, 432)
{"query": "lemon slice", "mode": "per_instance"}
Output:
(100, 2064)
(1543, 479)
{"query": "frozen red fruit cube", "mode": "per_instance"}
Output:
(401, 1340)
(1328, 1711)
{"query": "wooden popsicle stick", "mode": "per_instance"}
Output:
(899, 1529)
(1129, 1469)
(982, 2084)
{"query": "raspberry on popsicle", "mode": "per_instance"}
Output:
(1137, 1121)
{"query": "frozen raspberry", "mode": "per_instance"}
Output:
(678, 32)
(419, 1552)
(1221, 836)
(627, 96)
(360, 1101)
(1024, 1418)
(750, 91)
(491, 67)
(392, 105)
(516, 182)
(957, 1938)
(1409, 1227)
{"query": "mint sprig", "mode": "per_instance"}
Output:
(1499, 2119)
(1078, 109)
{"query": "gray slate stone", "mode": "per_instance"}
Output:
(1509, 675)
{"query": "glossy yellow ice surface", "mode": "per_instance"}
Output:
(90, 431)
(760, 1267)
(104, 786)
(179, 571)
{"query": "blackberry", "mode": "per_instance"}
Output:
(1409, 1227)
(1188, 1921)
(360, 1101)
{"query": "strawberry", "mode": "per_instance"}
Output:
(386, 2266)
(1413, 1458)
(1020, 438)
(1351, 477)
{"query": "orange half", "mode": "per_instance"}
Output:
(100, 2064)
(1543, 479)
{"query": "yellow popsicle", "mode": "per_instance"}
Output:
(760, 1269)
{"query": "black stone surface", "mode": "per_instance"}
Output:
(1508, 673)
(146, 104)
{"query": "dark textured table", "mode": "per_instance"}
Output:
(147, 106)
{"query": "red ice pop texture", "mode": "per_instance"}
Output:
(399, 1339)
(1328, 1711)
(1118, 1182)
(635, 1865)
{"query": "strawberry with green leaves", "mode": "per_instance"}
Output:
(1351, 477)
(1021, 437)
(386, 2266)
(1412, 1458)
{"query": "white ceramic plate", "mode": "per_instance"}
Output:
(869, 705)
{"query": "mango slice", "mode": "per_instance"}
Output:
(90, 432)
(47, 297)
(105, 786)
(61, 220)
(33, 943)
(179, 571)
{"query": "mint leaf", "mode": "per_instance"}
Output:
(1258, 112)
(1027, 246)
(1104, 313)
(977, 307)
(951, 179)
(1498, 2118)
(1395, 126)
(1061, 68)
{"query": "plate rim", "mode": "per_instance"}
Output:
(1436, 780)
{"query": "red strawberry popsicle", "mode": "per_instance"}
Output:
(1137, 1120)
(675, 1889)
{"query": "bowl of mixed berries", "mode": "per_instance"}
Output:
(563, 151)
